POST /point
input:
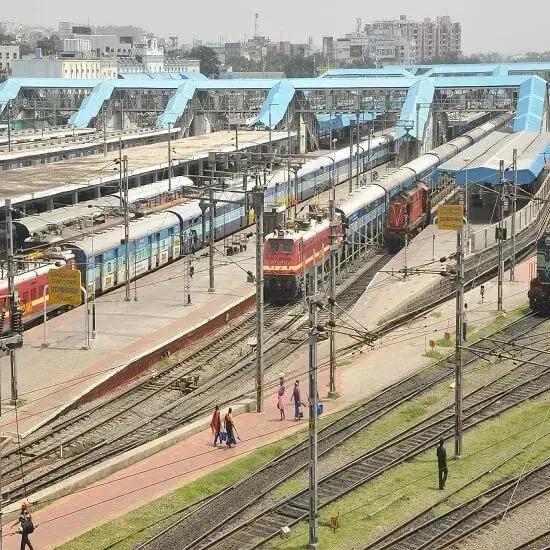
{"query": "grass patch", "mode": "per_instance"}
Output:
(445, 343)
(435, 314)
(412, 487)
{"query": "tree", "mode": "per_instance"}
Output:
(210, 64)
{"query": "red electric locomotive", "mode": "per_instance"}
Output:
(408, 214)
(30, 282)
(290, 254)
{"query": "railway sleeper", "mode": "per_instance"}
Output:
(291, 511)
(259, 531)
(275, 521)
(354, 476)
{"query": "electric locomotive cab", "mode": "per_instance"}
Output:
(282, 263)
(539, 288)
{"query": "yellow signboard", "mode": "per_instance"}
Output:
(450, 217)
(64, 286)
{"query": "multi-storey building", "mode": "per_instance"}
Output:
(398, 41)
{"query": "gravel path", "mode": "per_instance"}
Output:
(519, 526)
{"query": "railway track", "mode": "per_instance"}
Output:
(231, 503)
(157, 405)
(426, 532)
(508, 391)
(539, 542)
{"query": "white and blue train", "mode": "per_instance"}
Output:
(161, 238)
(365, 214)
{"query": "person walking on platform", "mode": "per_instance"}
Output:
(442, 464)
(297, 398)
(216, 424)
(281, 401)
(26, 526)
(230, 428)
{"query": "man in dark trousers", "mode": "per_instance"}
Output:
(442, 464)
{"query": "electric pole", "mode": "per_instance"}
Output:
(357, 158)
(14, 299)
(514, 207)
(212, 237)
(169, 156)
(259, 212)
(9, 124)
(314, 302)
(500, 236)
(104, 131)
(459, 338)
(126, 228)
(332, 291)
(120, 175)
(350, 163)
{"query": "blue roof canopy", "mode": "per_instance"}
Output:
(480, 163)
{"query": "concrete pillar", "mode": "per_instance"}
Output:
(74, 197)
(49, 203)
(97, 192)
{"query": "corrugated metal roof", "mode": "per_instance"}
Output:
(485, 156)
(365, 73)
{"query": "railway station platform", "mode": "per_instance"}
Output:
(88, 174)
(36, 148)
(359, 375)
(128, 333)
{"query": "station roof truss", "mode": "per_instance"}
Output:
(273, 103)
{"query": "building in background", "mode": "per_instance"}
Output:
(8, 54)
(397, 42)
(71, 67)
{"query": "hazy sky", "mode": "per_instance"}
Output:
(488, 25)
